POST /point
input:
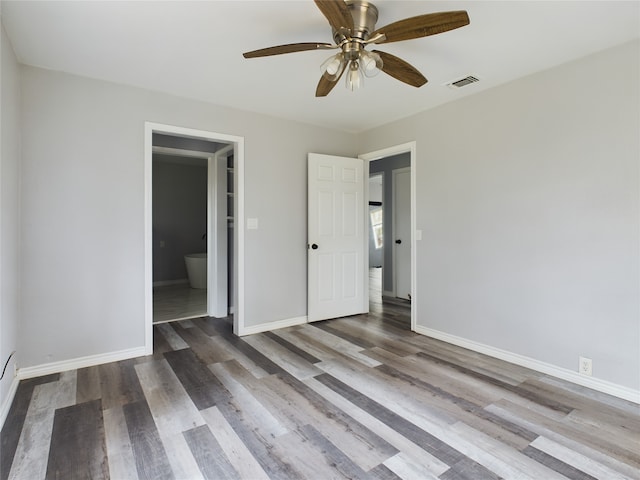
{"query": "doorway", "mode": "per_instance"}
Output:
(376, 238)
(190, 219)
(224, 210)
(179, 223)
(396, 165)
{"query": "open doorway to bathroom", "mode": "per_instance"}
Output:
(225, 241)
(191, 215)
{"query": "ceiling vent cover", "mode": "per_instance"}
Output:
(462, 82)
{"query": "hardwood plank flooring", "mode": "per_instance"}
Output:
(148, 451)
(360, 397)
(78, 446)
(13, 426)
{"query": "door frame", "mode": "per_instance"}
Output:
(238, 212)
(409, 147)
(217, 232)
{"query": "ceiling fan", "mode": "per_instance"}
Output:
(353, 25)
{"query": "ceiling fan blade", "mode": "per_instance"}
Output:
(289, 48)
(401, 70)
(337, 13)
(422, 26)
(325, 85)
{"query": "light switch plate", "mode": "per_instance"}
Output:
(418, 234)
(252, 223)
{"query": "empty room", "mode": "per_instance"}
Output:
(320, 239)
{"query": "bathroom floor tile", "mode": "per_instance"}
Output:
(176, 302)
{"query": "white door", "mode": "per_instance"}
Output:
(336, 237)
(402, 232)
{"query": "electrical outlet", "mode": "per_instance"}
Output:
(585, 367)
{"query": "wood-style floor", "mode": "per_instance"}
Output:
(357, 397)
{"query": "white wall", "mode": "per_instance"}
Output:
(528, 199)
(83, 210)
(9, 211)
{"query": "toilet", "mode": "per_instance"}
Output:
(196, 264)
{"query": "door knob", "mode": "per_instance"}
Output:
(398, 241)
(314, 246)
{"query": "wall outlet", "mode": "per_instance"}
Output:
(585, 367)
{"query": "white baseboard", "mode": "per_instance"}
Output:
(266, 327)
(542, 367)
(82, 362)
(166, 283)
(8, 400)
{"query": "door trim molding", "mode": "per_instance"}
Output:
(238, 148)
(409, 147)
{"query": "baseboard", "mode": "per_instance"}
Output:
(542, 367)
(266, 327)
(167, 283)
(6, 404)
(82, 362)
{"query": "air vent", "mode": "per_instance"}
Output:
(462, 82)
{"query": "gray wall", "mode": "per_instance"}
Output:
(527, 197)
(179, 214)
(9, 212)
(83, 210)
(387, 166)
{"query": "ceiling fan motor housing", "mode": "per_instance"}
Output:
(365, 16)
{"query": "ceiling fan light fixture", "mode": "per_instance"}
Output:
(333, 66)
(353, 24)
(355, 78)
(370, 63)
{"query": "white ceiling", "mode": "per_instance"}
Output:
(194, 49)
